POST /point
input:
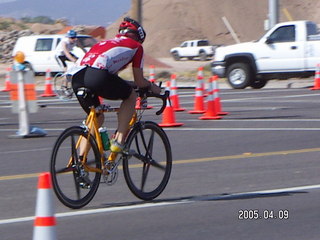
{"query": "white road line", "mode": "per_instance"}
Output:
(160, 204)
(93, 211)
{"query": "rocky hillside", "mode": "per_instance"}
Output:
(12, 29)
(169, 22)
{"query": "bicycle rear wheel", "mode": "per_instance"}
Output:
(147, 167)
(73, 184)
(62, 87)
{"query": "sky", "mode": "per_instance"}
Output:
(78, 12)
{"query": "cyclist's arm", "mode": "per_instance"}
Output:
(142, 82)
(67, 53)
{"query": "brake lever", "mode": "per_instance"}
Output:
(164, 98)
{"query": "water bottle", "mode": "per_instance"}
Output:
(105, 138)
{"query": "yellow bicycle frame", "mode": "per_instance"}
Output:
(92, 125)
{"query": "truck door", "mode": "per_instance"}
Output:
(281, 52)
(189, 49)
(313, 47)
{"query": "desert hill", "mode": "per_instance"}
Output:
(169, 22)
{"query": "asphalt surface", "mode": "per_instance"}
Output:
(254, 174)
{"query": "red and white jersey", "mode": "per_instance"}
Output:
(114, 54)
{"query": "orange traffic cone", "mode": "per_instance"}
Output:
(45, 221)
(174, 94)
(152, 74)
(7, 83)
(48, 86)
(317, 79)
(216, 97)
(211, 112)
(198, 99)
(168, 116)
(200, 77)
(101, 100)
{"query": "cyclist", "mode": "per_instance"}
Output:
(64, 48)
(103, 62)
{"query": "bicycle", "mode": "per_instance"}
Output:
(146, 159)
(62, 82)
(62, 86)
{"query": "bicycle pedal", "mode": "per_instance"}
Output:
(110, 173)
(84, 185)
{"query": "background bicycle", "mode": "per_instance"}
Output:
(62, 86)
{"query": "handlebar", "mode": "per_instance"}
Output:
(163, 97)
(144, 92)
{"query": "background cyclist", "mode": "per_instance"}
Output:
(103, 62)
(64, 48)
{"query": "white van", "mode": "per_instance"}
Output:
(39, 50)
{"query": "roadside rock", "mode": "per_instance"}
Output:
(7, 42)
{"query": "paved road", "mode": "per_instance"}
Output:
(261, 158)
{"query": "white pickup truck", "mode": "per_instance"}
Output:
(193, 48)
(289, 49)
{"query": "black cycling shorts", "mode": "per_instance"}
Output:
(62, 59)
(102, 84)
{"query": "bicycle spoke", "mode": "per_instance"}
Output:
(154, 163)
(150, 145)
(64, 170)
(144, 176)
(76, 183)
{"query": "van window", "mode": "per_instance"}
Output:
(44, 44)
(85, 42)
(58, 41)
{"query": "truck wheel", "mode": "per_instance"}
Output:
(239, 75)
(176, 56)
(258, 83)
(203, 56)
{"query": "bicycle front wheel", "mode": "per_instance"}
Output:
(62, 86)
(73, 183)
(147, 167)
